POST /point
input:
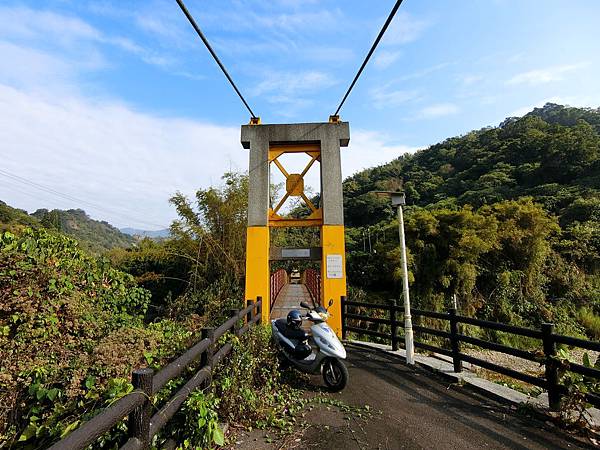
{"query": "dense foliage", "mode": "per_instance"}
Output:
(71, 330)
(506, 218)
(10, 217)
(248, 390)
(557, 162)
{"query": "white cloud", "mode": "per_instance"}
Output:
(292, 82)
(469, 80)
(23, 66)
(268, 19)
(106, 152)
(386, 58)
(369, 149)
(291, 87)
(424, 72)
(131, 162)
(385, 96)
(109, 154)
(405, 28)
(294, 21)
(439, 110)
(542, 76)
(67, 37)
(29, 24)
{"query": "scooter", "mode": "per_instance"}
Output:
(318, 352)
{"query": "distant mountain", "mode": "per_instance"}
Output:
(97, 236)
(93, 235)
(156, 234)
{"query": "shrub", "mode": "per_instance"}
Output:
(250, 385)
(71, 331)
(590, 321)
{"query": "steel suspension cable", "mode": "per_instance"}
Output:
(214, 55)
(373, 47)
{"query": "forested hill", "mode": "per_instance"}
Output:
(93, 235)
(551, 154)
(505, 218)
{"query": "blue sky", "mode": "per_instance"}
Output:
(118, 103)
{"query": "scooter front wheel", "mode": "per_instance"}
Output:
(335, 374)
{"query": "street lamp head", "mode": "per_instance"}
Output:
(398, 197)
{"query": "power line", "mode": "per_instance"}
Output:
(79, 201)
(373, 47)
(49, 190)
(214, 55)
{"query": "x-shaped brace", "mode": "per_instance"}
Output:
(314, 157)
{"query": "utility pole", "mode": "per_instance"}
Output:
(398, 200)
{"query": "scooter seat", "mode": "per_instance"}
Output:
(289, 332)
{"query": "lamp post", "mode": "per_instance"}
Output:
(399, 200)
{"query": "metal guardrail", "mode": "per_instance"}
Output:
(312, 280)
(279, 279)
(353, 321)
(137, 405)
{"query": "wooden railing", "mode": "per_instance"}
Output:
(387, 329)
(137, 405)
(312, 280)
(279, 279)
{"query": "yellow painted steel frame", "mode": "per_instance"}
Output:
(332, 242)
(257, 268)
(295, 185)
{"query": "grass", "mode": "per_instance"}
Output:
(590, 321)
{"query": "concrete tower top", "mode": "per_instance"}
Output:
(296, 133)
(328, 136)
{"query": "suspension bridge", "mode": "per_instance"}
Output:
(418, 409)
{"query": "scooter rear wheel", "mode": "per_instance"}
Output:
(335, 374)
(284, 364)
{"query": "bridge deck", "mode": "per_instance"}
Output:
(289, 298)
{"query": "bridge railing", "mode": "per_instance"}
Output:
(279, 279)
(390, 316)
(137, 405)
(312, 280)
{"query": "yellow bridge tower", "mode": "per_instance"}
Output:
(321, 142)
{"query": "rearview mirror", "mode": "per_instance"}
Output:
(305, 305)
(330, 302)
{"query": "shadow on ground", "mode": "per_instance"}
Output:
(413, 409)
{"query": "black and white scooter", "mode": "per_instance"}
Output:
(318, 352)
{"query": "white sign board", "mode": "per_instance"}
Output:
(295, 252)
(335, 267)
